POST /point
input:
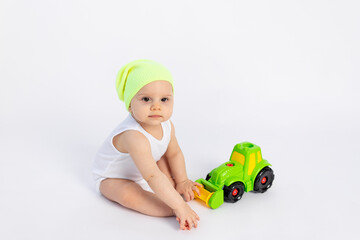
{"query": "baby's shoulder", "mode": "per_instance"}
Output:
(128, 139)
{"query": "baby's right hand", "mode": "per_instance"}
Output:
(186, 217)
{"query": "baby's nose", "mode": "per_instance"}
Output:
(155, 106)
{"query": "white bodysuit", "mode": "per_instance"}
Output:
(110, 163)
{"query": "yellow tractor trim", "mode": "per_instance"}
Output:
(238, 157)
(259, 156)
(251, 163)
(205, 195)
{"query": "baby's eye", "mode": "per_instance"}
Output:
(164, 99)
(145, 99)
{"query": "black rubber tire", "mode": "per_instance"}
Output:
(264, 180)
(234, 192)
(207, 177)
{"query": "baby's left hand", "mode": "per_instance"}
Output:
(186, 188)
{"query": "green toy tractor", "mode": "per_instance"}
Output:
(245, 171)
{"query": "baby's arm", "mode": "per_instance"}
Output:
(139, 148)
(176, 162)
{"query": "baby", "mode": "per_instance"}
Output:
(143, 151)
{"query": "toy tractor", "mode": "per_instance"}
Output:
(245, 171)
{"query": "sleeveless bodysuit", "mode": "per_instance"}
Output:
(110, 163)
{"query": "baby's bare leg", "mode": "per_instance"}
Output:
(163, 165)
(130, 195)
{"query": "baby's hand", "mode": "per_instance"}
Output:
(186, 188)
(186, 217)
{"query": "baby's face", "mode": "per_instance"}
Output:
(153, 104)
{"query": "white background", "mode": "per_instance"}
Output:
(282, 74)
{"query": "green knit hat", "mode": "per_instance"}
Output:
(136, 74)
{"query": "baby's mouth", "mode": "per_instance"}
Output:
(155, 116)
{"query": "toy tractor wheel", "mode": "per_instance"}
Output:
(234, 192)
(264, 180)
(207, 177)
